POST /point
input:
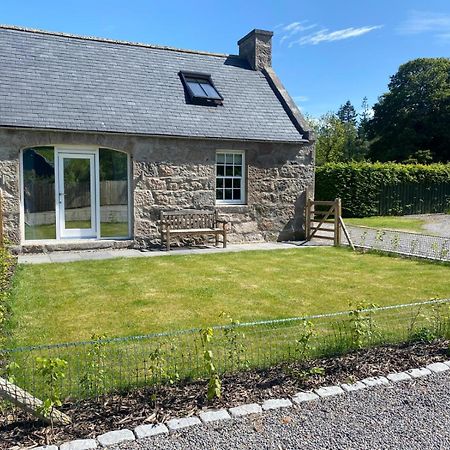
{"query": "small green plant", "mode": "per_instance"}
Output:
(435, 323)
(235, 339)
(445, 249)
(363, 239)
(435, 248)
(159, 367)
(414, 245)
(379, 236)
(395, 242)
(52, 371)
(10, 370)
(362, 326)
(214, 383)
(93, 381)
(303, 343)
(6, 269)
(303, 375)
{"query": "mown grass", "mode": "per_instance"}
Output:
(390, 222)
(71, 301)
(113, 229)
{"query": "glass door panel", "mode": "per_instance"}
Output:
(77, 195)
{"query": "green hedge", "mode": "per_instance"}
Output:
(368, 189)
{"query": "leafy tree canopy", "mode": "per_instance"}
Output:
(412, 120)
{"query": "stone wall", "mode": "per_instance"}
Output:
(169, 173)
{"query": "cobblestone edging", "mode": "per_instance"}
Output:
(147, 431)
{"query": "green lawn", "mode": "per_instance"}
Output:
(389, 222)
(71, 301)
(113, 229)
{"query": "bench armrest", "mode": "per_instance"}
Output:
(222, 221)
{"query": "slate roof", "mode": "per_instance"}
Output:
(57, 81)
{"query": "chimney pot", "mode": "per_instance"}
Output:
(256, 48)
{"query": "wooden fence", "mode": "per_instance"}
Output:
(40, 195)
(413, 198)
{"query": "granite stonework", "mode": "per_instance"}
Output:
(179, 173)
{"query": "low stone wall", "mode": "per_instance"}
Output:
(169, 173)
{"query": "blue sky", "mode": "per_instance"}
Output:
(324, 51)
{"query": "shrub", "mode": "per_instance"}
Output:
(366, 189)
(6, 270)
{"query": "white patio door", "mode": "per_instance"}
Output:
(76, 194)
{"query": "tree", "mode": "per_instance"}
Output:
(347, 113)
(415, 114)
(331, 139)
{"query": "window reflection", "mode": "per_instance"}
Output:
(113, 193)
(39, 193)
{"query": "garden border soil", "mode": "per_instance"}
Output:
(127, 410)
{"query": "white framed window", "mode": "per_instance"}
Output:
(230, 177)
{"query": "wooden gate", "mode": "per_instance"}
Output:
(324, 221)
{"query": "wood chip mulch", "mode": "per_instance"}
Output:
(93, 417)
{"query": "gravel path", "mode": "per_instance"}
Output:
(421, 245)
(438, 224)
(413, 415)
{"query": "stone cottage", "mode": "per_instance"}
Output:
(98, 136)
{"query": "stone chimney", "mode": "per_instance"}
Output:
(256, 48)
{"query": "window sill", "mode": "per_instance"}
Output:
(232, 207)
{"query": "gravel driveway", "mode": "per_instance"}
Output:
(438, 224)
(412, 415)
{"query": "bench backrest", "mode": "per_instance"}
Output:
(189, 219)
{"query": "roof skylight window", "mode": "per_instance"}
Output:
(200, 88)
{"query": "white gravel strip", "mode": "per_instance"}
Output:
(329, 391)
(304, 397)
(353, 386)
(417, 373)
(79, 444)
(414, 415)
(214, 416)
(304, 401)
(398, 376)
(276, 403)
(145, 431)
(184, 422)
(437, 367)
(115, 437)
(245, 410)
(375, 381)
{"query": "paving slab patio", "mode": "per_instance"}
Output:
(89, 255)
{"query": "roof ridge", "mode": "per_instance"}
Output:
(111, 41)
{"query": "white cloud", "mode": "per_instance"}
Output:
(294, 28)
(325, 35)
(300, 99)
(419, 22)
(422, 22)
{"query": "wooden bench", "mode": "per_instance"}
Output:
(192, 222)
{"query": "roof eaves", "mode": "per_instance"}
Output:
(156, 135)
(114, 41)
(289, 105)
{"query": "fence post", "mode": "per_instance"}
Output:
(307, 215)
(337, 224)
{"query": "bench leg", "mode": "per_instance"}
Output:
(216, 237)
(168, 240)
(224, 237)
